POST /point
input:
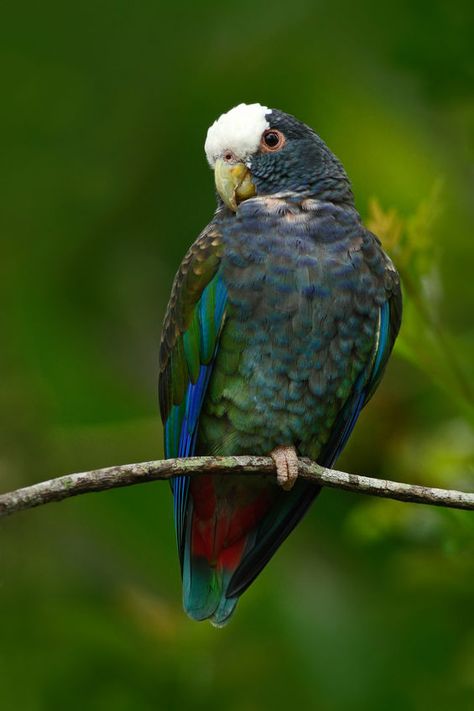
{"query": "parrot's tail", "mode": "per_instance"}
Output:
(204, 589)
(233, 528)
(217, 536)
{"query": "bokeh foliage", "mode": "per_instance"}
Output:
(104, 111)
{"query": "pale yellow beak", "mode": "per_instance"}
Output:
(233, 182)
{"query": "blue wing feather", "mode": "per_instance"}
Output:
(382, 354)
(181, 427)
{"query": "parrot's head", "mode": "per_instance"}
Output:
(257, 151)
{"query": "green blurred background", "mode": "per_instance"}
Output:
(105, 106)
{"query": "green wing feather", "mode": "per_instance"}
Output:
(191, 331)
(186, 342)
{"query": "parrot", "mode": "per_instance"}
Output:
(280, 322)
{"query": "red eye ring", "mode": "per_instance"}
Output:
(272, 140)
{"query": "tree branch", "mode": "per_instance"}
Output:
(128, 474)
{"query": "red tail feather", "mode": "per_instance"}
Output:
(223, 518)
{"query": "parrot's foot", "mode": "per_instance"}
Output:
(286, 462)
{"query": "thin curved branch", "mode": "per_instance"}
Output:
(129, 474)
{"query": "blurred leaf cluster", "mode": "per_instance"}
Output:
(425, 339)
(105, 106)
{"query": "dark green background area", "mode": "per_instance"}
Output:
(104, 185)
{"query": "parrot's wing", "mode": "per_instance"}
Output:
(389, 326)
(390, 315)
(292, 506)
(191, 329)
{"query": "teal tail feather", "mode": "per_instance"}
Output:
(204, 592)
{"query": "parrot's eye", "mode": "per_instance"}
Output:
(272, 140)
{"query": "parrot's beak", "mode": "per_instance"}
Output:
(233, 182)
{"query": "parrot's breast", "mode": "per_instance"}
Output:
(302, 315)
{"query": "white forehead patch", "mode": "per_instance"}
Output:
(239, 131)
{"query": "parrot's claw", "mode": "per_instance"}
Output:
(286, 462)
